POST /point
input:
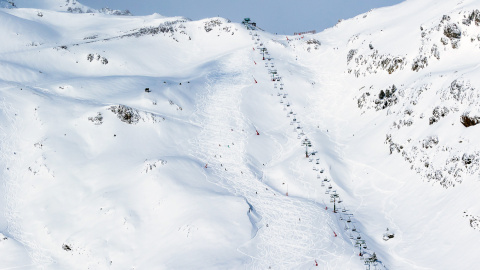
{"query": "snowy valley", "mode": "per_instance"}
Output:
(152, 142)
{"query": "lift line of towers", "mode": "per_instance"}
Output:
(369, 257)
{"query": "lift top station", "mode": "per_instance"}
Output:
(249, 24)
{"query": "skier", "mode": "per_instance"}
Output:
(257, 132)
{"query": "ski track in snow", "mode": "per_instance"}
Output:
(293, 232)
(13, 185)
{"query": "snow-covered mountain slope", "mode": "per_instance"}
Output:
(163, 143)
(72, 6)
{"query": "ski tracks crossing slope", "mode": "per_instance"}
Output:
(292, 232)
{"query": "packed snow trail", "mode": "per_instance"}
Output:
(292, 232)
(343, 219)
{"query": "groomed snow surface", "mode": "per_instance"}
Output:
(161, 143)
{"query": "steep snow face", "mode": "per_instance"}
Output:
(153, 142)
(400, 94)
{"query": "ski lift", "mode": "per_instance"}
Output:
(266, 64)
(321, 171)
(351, 236)
(322, 184)
(344, 210)
(291, 123)
(331, 200)
(281, 101)
(354, 229)
(349, 220)
(327, 191)
(294, 119)
(330, 187)
(288, 104)
(278, 94)
(310, 160)
(317, 161)
(298, 127)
